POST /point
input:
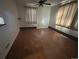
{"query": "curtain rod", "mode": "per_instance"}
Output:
(30, 7)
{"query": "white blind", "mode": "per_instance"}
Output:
(65, 14)
(31, 16)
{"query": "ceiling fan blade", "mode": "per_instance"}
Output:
(47, 3)
(44, 0)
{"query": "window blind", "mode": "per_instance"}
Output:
(66, 14)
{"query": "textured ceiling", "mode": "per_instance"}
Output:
(25, 2)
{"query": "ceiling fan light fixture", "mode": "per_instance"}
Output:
(42, 3)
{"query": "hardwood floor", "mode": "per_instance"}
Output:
(42, 44)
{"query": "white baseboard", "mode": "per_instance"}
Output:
(11, 43)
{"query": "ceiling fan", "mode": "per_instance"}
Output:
(42, 2)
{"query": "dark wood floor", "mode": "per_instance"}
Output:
(42, 44)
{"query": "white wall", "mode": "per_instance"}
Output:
(9, 31)
(21, 14)
(43, 17)
(54, 11)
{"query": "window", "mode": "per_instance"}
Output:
(66, 13)
(31, 15)
(1, 21)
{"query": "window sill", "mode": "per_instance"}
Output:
(2, 25)
(68, 27)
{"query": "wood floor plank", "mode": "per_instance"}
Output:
(42, 44)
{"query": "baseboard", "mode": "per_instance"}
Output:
(67, 35)
(11, 45)
(27, 27)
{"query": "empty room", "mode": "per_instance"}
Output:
(38, 29)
